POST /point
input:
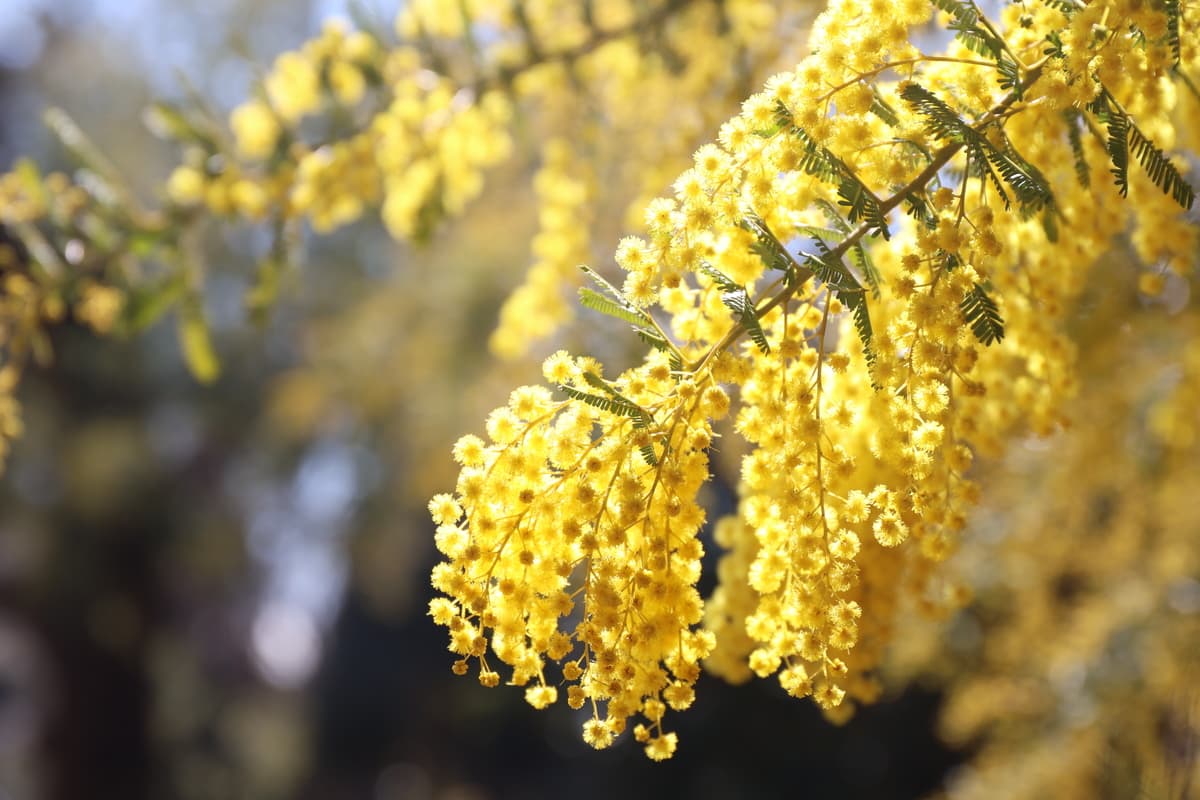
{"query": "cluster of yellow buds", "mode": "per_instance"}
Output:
(872, 354)
(572, 537)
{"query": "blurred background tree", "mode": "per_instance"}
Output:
(221, 591)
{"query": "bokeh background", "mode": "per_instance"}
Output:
(220, 592)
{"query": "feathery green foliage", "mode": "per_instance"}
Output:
(614, 304)
(598, 302)
(1082, 171)
(641, 418)
(737, 299)
(829, 269)
(943, 123)
(614, 402)
(767, 247)
(1124, 138)
(1171, 7)
(980, 312)
(858, 253)
(860, 202)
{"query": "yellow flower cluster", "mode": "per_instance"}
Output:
(348, 123)
(869, 270)
(295, 87)
(537, 308)
(623, 102)
(62, 284)
(270, 170)
(20, 199)
(434, 142)
(572, 538)
(24, 308)
(882, 352)
(1088, 613)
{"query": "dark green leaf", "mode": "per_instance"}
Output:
(943, 123)
(739, 303)
(1171, 7)
(1124, 137)
(981, 313)
(1082, 172)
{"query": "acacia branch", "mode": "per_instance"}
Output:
(504, 78)
(802, 273)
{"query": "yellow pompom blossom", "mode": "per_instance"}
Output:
(99, 307)
(411, 132)
(256, 129)
(22, 198)
(336, 183)
(185, 186)
(294, 86)
(874, 353)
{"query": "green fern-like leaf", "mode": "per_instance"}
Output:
(817, 232)
(617, 403)
(1050, 224)
(1010, 76)
(739, 303)
(977, 41)
(858, 253)
(860, 202)
(608, 404)
(965, 24)
(960, 11)
(862, 326)
(1067, 7)
(768, 247)
(981, 313)
(723, 281)
(1054, 46)
(658, 342)
(815, 160)
(597, 382)
(1026, 180)
(1124, 138)
(1160, 169)
(622, 311)
(942, 122)
(1082, 171)
(917, 207)
(830, 270)
(611, 400)
(882, 109)
(737, 299)
(653, 339)
(604, 285)
(1171, 7)
(647, 451)
(1117, 143)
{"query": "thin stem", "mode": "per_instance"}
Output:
(974, 62)
(506, 75)
(1183, 76)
